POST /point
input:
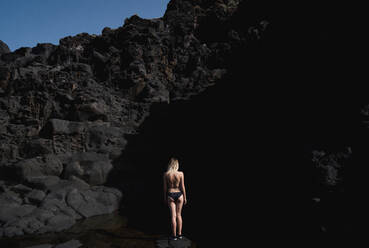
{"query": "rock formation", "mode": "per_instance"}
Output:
(66, 110)
(4, 48)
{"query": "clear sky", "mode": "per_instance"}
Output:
(28, 22)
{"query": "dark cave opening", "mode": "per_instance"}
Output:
(244, 145)
(216, 149)
(229, 143)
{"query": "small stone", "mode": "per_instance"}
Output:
(36, 196)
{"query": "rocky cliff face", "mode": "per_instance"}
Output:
(207, 82)
(66, 110)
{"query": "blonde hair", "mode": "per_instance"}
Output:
(173, 165)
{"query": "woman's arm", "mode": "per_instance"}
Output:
(183, 188)
(165, 188)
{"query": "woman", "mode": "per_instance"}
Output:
(175, 196)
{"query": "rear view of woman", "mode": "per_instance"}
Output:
(175, 196)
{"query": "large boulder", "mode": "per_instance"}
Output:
(11, 212)
(95, 201)
(93, 172)
(91, 167)
(47, 165)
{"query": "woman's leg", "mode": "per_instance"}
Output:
(173, 215)
(179, 205)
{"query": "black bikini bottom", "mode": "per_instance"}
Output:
(174, 195)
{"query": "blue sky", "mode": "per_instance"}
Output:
(28, 22)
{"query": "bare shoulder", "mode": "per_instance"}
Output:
(181, 173)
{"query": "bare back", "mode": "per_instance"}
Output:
(173, 180)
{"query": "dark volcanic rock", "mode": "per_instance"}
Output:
(38, 166)
(330, 167)
(92, 167)
(94, 202)
(36, 196)
(4, 48)
(55, 206)
(67, 111)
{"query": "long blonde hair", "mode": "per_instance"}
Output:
(173, 165)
